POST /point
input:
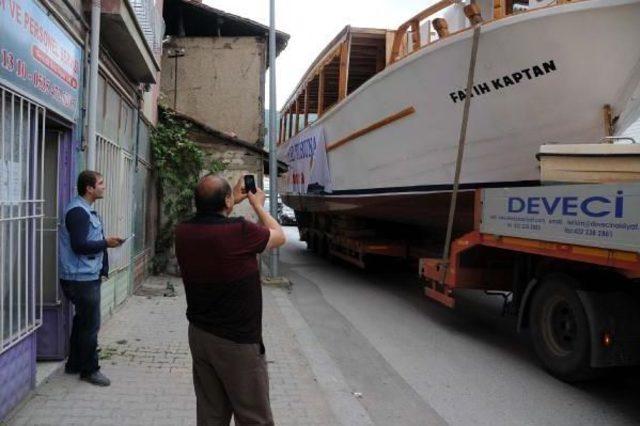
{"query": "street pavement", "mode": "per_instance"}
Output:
(145, 352)
(344, 347)
(410, 357)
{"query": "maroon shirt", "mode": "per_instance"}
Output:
(219, 266)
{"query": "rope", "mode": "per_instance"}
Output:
(461, 144)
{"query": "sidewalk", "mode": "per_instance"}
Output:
(146, 355)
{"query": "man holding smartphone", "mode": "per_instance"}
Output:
(82, 262)
(217, 255)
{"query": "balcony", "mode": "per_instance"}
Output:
(151, 22)
(122, 32)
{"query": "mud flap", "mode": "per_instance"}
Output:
(616, 315)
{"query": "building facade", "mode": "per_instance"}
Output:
(214, 76)
(238, 156)
(44, 79)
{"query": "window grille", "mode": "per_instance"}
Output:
(22, 125)
(116, 166)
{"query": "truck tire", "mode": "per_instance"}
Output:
(560, 329)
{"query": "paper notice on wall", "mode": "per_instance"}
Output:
(306, 156)
(10, 182)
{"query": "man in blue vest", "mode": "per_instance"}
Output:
(82, 262)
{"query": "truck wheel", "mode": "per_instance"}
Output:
(560, 329)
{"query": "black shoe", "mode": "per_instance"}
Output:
(96, 378)
(70, 370)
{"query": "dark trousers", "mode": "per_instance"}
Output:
(83, 344)
(229, 378)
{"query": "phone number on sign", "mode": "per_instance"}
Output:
(530, 226)
(589, 232)
(18, 66)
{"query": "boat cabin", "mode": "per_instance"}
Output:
(357, 54)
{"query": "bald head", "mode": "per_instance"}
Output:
(211, 193)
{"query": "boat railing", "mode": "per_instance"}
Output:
(402, 46)
(395, 45)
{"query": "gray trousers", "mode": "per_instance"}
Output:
(229, 378)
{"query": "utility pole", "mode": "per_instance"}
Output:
(96, 10)
(175, 53)
(273, 162)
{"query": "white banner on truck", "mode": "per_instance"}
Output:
(306, 156)
(604, 216)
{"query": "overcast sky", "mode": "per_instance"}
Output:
(313, 24)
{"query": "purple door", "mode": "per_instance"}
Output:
(52, 343)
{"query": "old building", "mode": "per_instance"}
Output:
(45, 106)
(214, 66)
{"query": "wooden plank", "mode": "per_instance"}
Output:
(402, 29)
(397, 43)
(415, 35)
(368, 32)
(443, 4)
(290, 124)
(284, 132)
(358, 41)
(385, 121)
(284, 127)
(306, 105)
(499, 9)
(321, 89)
(297, 128)
(327, 55)
(343, 83)
(391, 36)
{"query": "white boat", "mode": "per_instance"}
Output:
(563, 72)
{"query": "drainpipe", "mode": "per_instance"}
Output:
(93, 83)
(273, 162)
(134, 188)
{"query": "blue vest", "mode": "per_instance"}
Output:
(79, 267)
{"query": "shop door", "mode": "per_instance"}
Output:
(54, 333)
(51, 292)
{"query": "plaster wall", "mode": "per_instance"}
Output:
(219, 82)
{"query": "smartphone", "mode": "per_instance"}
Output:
(128, 238)
(249, 183)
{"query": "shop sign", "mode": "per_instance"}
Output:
(38, 58)
(603, 216)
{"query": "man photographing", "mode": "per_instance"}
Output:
(82, 262)
(218, 261)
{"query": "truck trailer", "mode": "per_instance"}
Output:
(566, 259)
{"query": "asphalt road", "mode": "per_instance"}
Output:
(416, 362)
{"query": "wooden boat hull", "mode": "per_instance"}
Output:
(541, 76)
